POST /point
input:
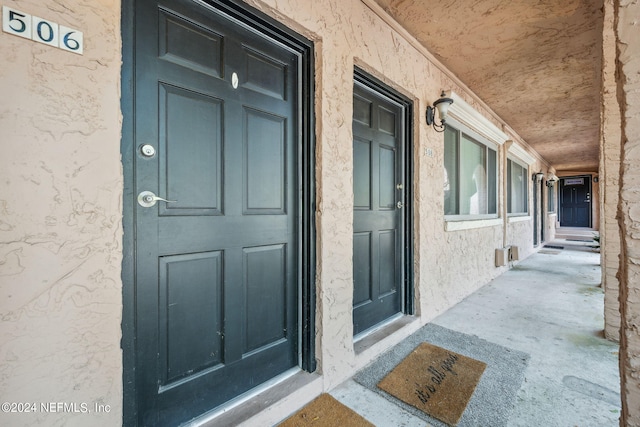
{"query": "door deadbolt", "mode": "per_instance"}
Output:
(400, 205)
(147, 199)
(147, 150)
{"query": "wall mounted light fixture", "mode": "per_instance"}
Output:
(442, 105)
(537, 177)
(551, 180)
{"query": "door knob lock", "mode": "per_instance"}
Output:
(400, 205)
(147, 150)
(147, 199)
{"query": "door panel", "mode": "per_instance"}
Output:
(362, 269)
(387, 174)
(361, 174)
(264, 166)
(190, 293)
(191, 167)
(387, 259)
(205, 46)
(266, 308)
(378, 222)
(216, 285)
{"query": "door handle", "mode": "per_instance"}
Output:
(147, 199)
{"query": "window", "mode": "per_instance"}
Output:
(551, 198)
(470, 176)
(517, 184)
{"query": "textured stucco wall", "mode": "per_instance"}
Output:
(520, 229)
(449, 265)
(61, 210)
(60, 218)
(628, 68)
(610, 179)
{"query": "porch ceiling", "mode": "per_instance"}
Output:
(537, 64)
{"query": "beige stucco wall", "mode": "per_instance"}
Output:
(62, 186)
(60, 218)
(449, 264)
(520, 228)
(628, 68)
(610, 179)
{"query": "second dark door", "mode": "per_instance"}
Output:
(379, 190)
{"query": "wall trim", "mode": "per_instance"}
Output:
(519, 218)
(471, 224)
(463, 112)
(521, 154)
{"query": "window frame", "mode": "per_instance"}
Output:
(508, 188)
(551, 198)
(487, 145)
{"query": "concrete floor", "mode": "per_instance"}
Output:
(550, 306)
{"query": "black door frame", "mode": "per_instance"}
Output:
(254, 20)
(535, 211)
(543, 212)
(377, 85)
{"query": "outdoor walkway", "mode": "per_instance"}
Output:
(549, 306)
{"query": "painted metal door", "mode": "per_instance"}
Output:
(543, 213)
(378, 189)
(216, 280)
(536, 211)
(575, 202)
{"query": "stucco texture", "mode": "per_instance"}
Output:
(628, 67)
(61, 233)
(60, 219)
(610, 179)
(449, 265)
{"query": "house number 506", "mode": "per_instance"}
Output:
(41, 30)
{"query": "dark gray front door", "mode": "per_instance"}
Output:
(543, 213)
(216, 134)
(536, 211)
(575, 201)
(379, 197)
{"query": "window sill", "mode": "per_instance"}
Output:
(451, 225)
(519, 218)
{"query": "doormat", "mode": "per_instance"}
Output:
(554, 247)
(494, 398)
(436, 381)
(325, 411)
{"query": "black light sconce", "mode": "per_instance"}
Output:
(551, 180)
(442, 105)
(537, 177)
